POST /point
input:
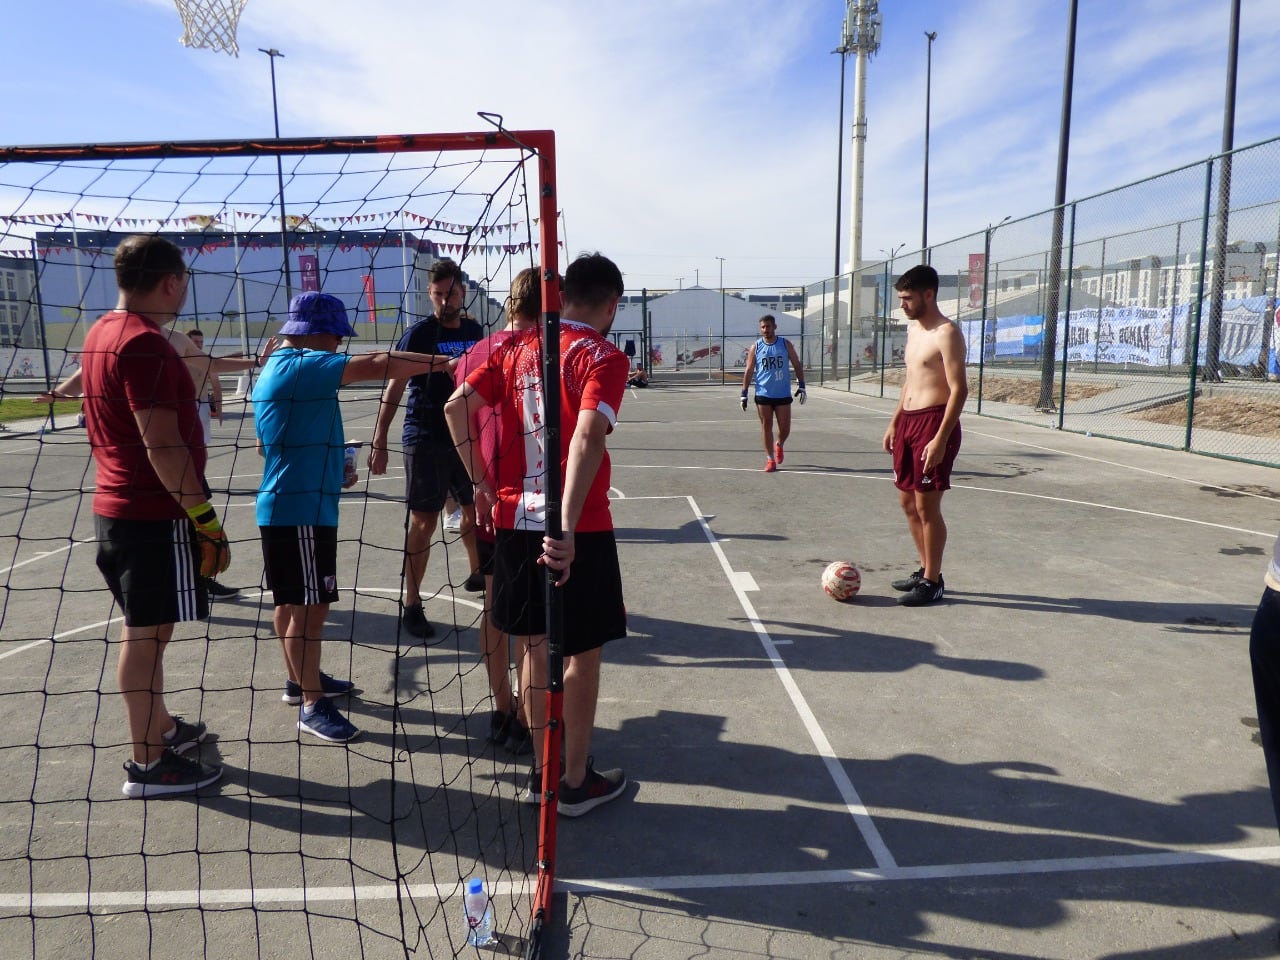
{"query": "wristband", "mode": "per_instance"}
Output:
(744, 394)
(800, 384)
(204, 518)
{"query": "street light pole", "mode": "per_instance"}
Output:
(928, 88)
(284, 224)
(722, 323)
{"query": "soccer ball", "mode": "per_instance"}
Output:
(841, 580)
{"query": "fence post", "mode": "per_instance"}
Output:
(1066, 318)
(1198, 309)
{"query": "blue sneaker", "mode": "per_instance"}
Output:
(324, 721)
(332, 688)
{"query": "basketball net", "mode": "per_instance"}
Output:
(210, 24)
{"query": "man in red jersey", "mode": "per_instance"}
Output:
(593, 379)
(157, 532)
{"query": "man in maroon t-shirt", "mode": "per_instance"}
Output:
(157, 532)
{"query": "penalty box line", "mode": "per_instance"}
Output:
(741, 582)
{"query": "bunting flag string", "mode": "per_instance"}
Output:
(206, 221)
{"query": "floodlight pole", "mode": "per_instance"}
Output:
(843, 50)
(284, 224)
(928, 89)
(862, 26)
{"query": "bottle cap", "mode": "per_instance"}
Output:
(475, 885)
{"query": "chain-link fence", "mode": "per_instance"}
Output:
(1146, 313)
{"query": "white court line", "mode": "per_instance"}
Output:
(1071, 453)
(852, 802)
(246, 594)
(1269, 535)
(135, 899)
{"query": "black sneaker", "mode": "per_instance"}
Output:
(533, 788)
(908, 583)
(474, 583)
(924, 592)
(499, 724)
(596, 789)
(215, 589)
(185, 735)
(173, 774)
(416, 622)
(329, 686)
(519, 740)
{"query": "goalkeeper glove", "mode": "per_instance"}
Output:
(215, 552)
(744, 400)
(800, 393)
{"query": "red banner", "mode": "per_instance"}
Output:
(367, 280)
(309, 266)
(977, 267)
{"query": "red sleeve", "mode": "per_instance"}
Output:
(606, 385)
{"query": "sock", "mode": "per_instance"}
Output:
(168, 737)
(146, 766)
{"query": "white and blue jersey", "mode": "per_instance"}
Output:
(773, 369)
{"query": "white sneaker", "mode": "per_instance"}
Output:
(454, 520)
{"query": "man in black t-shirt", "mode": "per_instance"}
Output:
(433, 470)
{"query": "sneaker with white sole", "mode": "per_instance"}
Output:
(172, 774)
(596, 789)
(923, 593)
(185, 735)
(324, 721)
(328, 686)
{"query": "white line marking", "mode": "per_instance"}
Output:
(245, 594)
(120, 900)
(852, 802)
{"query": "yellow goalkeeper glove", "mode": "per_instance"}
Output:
(215, 551)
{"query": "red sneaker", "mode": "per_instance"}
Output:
(777, 452)
(770, 466)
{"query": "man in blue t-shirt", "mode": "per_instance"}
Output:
(300, 436)
(432, 467)
(769, 363)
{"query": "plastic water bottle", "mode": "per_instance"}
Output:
(478, 910)
(350, 475)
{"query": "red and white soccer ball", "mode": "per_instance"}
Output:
(841, 580)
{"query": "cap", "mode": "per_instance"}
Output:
(314, 312)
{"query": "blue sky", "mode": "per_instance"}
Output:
(686, 129)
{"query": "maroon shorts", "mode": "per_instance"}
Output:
(915, 429)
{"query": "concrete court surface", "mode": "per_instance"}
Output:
(1058, 761)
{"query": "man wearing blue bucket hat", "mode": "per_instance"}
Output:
(301, 438)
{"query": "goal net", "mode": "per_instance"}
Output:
(304, 847)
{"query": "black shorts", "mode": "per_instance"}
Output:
(772, 401)
(432, 471)
(485, 550)
(593, 609)
(152, 568)
(301, 564)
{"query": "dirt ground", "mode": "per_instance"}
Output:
(1230, 413)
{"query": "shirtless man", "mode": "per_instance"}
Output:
(924, 431)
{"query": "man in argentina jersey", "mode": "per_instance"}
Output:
(769, 363)
(432, 468)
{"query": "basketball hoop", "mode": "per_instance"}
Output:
(210, 24)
